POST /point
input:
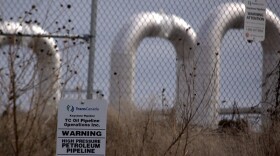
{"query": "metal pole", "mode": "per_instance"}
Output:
(92, 49)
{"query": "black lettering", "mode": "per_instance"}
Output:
(77, 150)
(65, 133)
(82, 133)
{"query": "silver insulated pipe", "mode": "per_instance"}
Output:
(47, 85)
(226, 17)
(125, 44)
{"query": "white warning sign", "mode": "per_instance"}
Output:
(255, 19)
(81, 127)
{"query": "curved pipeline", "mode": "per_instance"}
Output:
(225, 17)
(124, 49)
(47, 66)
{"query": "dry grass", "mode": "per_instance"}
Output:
(35, 136)
(147, 134)
(143, 134)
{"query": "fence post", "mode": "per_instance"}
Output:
(92, 50)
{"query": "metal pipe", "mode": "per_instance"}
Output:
(123, 55)
(231, 16)
(90, 82)
(47, 84)
(243, 110)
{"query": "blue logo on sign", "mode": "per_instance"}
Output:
(70, 108)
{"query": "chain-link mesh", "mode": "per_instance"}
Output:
(62, 22)
(187, 57)
(239, 77)
(234, 65)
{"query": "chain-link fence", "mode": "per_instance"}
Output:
(57, 20)
(162, 35)
(144, 46)
(179, 56)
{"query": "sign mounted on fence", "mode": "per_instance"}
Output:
(81, 127)
(255, 18)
